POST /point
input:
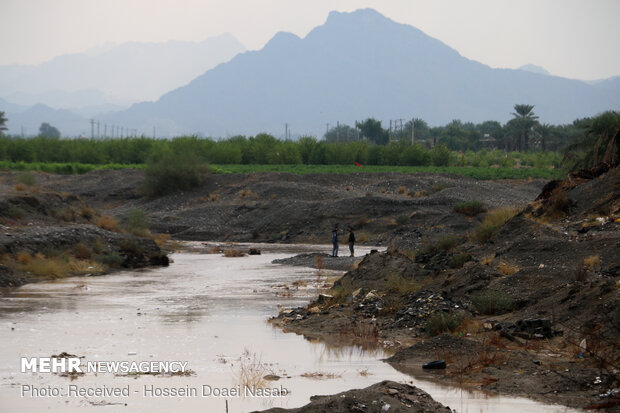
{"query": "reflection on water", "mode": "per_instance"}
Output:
(204, 309)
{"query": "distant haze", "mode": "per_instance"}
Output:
(355, 65)
(569, 38)
(118, 74)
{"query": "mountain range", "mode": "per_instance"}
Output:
(357, 65)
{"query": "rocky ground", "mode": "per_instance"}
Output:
(386, 396)
(284, 207)
(538, 300)
(321, 261)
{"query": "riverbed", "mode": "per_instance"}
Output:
(205, 310)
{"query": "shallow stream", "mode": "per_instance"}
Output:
(204, 309)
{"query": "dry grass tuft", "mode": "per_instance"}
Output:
(232, 253)
(488, 259)
(592, 262)
(86, 267)
(160, 239)
(23, 257)
(402, 190)
(41, 266)
(252, 371)
(507, 268)
(247, 193)
(108, 223)
(86, 212)
(20, 187)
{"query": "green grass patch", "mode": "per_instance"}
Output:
(63, 168)
(480, 173)
(466, 171)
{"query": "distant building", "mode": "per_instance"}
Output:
(488, 141)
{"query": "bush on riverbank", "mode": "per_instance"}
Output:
(168, 172)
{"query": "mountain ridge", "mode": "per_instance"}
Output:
(356, 65)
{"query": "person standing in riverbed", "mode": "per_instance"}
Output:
(351, 241)
(335, 241)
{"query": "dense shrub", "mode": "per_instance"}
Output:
(458, 260)
(168, 171)
(440, 322)
(492, 223)
(137, 223)
(26, 178)
(492, 302)
(402, 220)
(471, 208)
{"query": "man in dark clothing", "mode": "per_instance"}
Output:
(351, 241)
(335, 241)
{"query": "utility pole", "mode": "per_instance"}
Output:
(286, 131)
(105, 130)
(98, 134)
(154, 132)
(338, 131)
(412, 130)
(92, 128)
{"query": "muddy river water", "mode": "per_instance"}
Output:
(205, 310)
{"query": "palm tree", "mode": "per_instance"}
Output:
(600, 143)
(525, 120)
(545, 131)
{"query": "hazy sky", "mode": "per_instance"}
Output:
(571, 38)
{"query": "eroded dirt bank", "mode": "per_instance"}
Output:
(531, 306)
(46, 234)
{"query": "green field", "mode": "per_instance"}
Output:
(482, 173)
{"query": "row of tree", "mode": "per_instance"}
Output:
(586, 141)
(522, 133)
